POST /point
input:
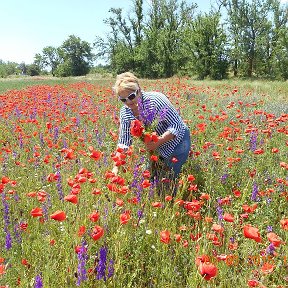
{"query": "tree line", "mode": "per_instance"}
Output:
(243, 38)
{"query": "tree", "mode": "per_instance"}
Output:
(9, 68)
(150, 47)
(33, 70)
(207, 46)
(119, 47)
(77, 56)
(249, 26)
(50, 58)
(23, 68)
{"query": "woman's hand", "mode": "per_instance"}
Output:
(152, 145)
(115, 170)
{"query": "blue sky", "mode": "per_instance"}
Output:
(27, 26)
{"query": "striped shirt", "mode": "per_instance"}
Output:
(157, 110)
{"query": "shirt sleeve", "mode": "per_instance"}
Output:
(125, 139)
(175, 125)
(171, 117)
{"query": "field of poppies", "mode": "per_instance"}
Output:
(68, 221)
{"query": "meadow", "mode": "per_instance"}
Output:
(67, 221)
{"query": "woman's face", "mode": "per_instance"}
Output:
(128, 97)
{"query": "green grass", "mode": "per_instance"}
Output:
(50, 129)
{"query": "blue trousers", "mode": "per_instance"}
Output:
(170, 170)
(181, 153)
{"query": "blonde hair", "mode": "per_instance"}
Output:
(126, 80)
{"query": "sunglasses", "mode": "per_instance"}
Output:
(131, 96)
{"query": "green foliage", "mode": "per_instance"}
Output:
(81, 117)
(78, 55)
(255, 30)
(73, 58)
(207, 43)
(169, 39)
(9, 68)
(33, 70)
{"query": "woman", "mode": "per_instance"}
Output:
(153, 109)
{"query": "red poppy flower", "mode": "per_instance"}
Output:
(157, 204)
(124, 218)
(253, 283)
(267, 268)
(95, 155)
(237, 193)
(2, 270)
(94, 216)
(58, 215)
(136, 128)
(97, 232)
(228, 217)
(174, 160)
(23, 226)
(36, 212)
(207, 270)
(5, 180)
(217, 228)
(194, 205)
(284, 224)
(168, 198)
(71, 198)
(177, 237)
(154, 158)
(146, 174)
(146, 183)
(155, 137)
(274, 239)
(165, 236)
(249, 209)
(190, 177)
(119, 202)
(81, 231)
(252, 233)
(147, 138)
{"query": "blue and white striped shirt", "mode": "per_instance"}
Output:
(163, 115)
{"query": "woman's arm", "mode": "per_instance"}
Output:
(165, 137)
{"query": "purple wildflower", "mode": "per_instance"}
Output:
(224, 178)
(77, 122)
(65, 143)
(41, 139)
(268, 200)
(45, 211)
(253, 141)
(270, 249)
(21, 142)
(17, 234)
(56, 134)
(254, 192)
(146, 111)
(110, 268)
(17, 112)
(137, 180)
(59, 185)
(6, 210)
(101, 266)
(8, 240)
(269, 228)
(82, 257)
(38, 282)
(219, 211)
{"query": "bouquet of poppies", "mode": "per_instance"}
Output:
(137, 129)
